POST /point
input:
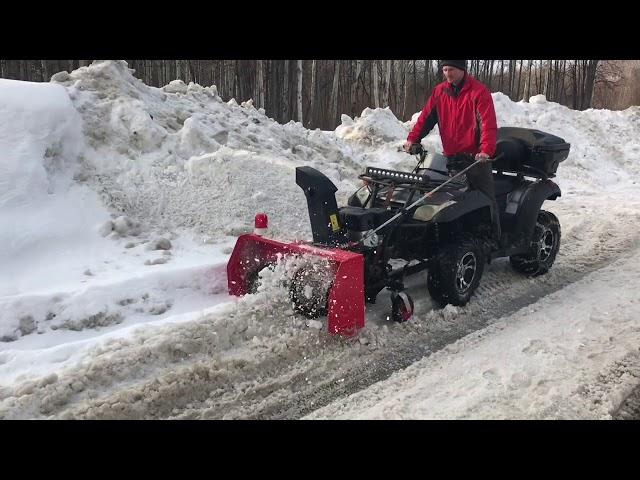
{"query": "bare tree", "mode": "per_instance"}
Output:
(518, 84)
(590, 76)
(285, 90)
(354, 86)
(299, 90)
(527, 85)
(259, 87)
(334, 92)
(312, 110)
(405, 81)
(376, 95)
(45, 71)
(386, 89)
(415, 86)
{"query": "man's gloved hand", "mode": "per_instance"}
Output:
(483, 157)
(412, 148)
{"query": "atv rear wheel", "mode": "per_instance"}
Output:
(543, 249)
(456, 272)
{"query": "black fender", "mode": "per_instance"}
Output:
(468, 202)
(525, 203)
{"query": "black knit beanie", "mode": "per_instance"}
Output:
(461, 64)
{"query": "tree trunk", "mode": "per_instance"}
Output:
(592, 67)
(285, 91)
(527, 88)
(236, 82)
(427, 66)
(376, 95)
(548, 80)
(387, 87)
(575, 84)
(519, 78)
(259, 89)
(299, 92)
(191, 70)
(354, 87)
(45, 71)
(405, 93)
(415, 87)
(563, 95)
(312, 94)
(334, 94)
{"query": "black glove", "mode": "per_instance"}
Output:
(415, 149)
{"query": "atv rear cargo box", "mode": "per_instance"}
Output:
(529, 151)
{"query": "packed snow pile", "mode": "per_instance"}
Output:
(180, 157)
(374, 126)
(46, 219)
(40, 136)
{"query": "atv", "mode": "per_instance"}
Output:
(400, 223)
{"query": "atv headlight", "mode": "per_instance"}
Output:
(427, 212)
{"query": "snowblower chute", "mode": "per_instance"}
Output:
(343, 300)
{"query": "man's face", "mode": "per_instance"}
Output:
(452, 74)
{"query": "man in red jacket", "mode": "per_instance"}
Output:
(463, 109)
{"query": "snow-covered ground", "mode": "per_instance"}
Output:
(119, 207)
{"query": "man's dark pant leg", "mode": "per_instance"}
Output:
(480, 178)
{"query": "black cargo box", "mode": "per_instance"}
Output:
(529, 151)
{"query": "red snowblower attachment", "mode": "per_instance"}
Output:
(341, 297)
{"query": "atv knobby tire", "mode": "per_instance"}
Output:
(254, 279)
(309, 292)
(543, 249)
(456, 272)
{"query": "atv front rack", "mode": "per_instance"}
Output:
(377, 174)
(386, 178)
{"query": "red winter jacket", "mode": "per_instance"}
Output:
(467, 122)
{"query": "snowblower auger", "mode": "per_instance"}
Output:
(345, 297)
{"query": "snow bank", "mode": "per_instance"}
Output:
(39, 139)
(179, 157)
(45, 218)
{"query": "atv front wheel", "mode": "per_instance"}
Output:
(309, 292)
(456, 272)
(254, 279)
(543, 249)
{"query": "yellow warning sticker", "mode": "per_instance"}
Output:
(335, 226)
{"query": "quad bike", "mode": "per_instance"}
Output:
(427, 219)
